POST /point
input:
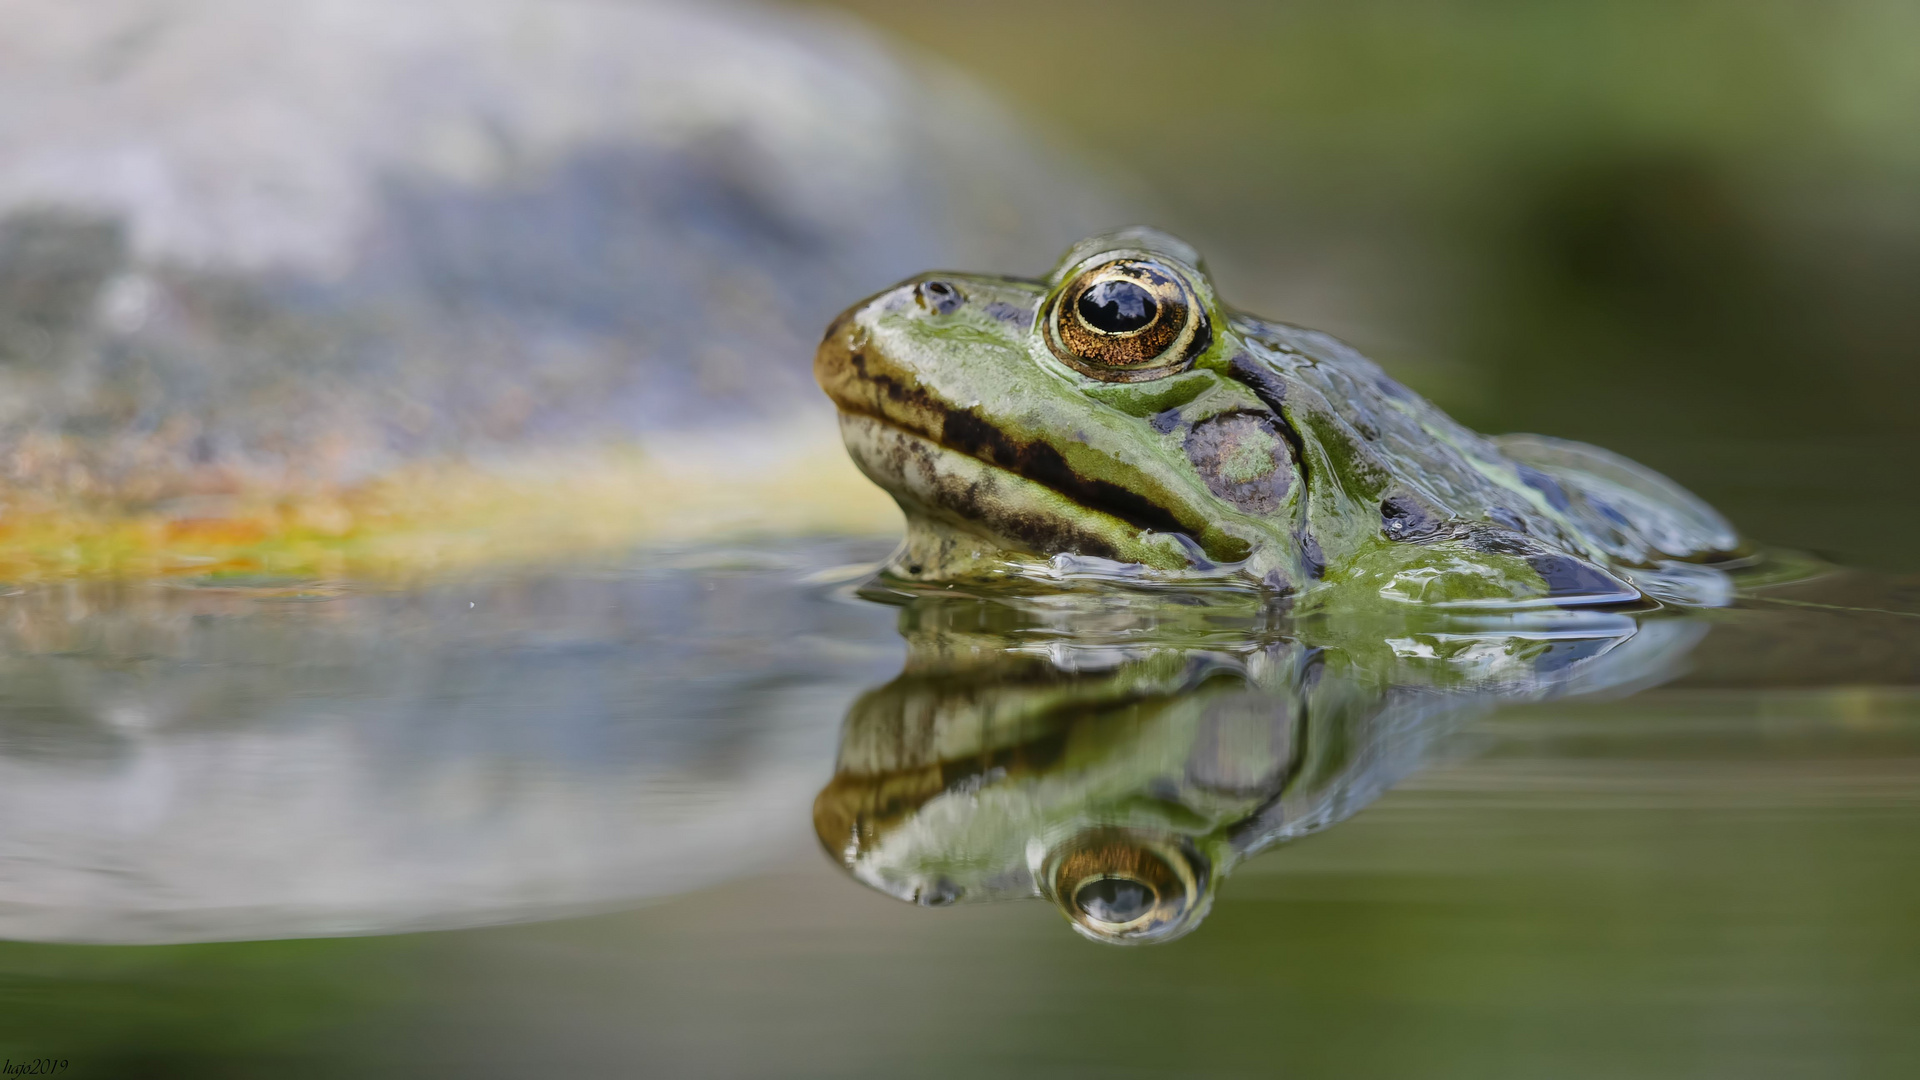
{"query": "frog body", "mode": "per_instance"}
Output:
(1116, 420)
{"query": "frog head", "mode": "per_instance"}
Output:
(1088, 414)
(1116, 417)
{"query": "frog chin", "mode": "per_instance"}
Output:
(967, 518)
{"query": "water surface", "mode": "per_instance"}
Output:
(581, 822)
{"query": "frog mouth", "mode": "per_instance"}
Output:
(933, 481)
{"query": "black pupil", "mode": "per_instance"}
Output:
(1118, 307)
(1114, 900)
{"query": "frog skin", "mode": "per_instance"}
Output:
(1117, 421)
(1124, 773)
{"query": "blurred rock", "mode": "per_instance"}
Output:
(184, 764)
(289, 246)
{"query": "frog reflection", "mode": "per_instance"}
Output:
(1121, 762)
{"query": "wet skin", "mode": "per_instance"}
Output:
(1117, 421)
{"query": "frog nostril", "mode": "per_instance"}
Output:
(939, 297)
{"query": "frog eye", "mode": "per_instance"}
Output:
(1120, 887)
(1127, 320)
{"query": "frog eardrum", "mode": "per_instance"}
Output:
(1127, 320)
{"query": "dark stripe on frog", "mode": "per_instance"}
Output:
(1041, 463)
(1038, 532)
(1028, 757)
(965, 433)
(1042, 534)
(897, 800)
(892, 388)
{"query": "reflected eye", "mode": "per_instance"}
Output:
(1124, 887)
(1115, 901)
(1127, 321)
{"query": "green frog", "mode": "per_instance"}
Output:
(1121, 759)
(1117, 422)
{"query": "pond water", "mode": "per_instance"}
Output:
(732, 812)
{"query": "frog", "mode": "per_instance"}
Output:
(1116, 421)
(1123, 762)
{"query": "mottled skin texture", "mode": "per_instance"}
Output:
(1254, 452)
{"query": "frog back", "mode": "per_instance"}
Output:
(1379, 447)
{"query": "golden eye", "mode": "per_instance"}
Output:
(1128, 320)
(1122, 887)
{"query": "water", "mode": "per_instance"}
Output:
(723, 813)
